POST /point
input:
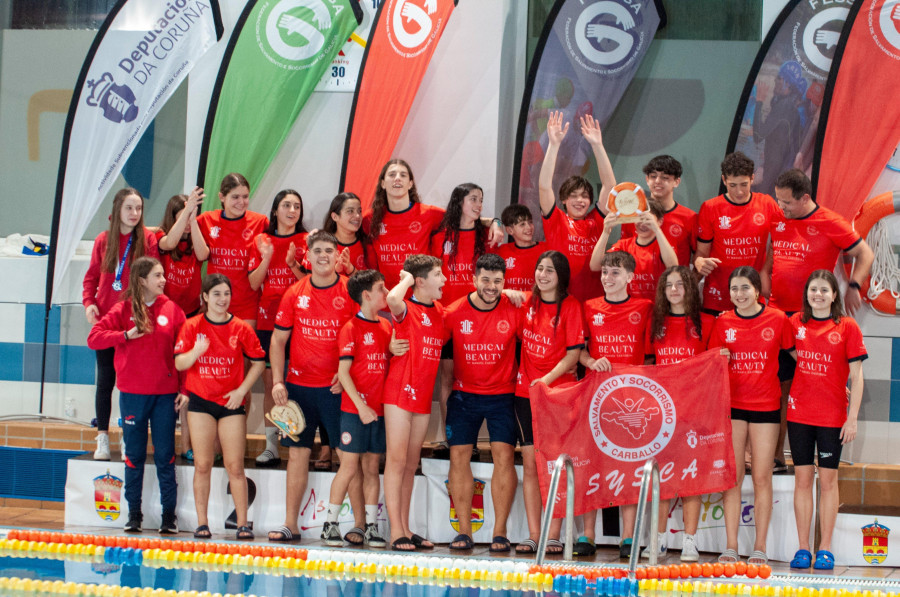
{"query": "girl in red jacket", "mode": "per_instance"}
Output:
(106, 279)
(142, 329)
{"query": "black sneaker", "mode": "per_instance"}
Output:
(169, 524)
(134, 522)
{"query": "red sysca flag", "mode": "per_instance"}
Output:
(610, 424)
(399, 49)
(861, 111)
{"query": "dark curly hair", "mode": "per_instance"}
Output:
(691, 302)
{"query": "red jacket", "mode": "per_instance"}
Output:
(97, 286)
(145, 365)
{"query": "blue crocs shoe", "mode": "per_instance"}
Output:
(802, 559)
(824, 560)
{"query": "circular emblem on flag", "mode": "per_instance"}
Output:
(675, 230)
(815, 40)
(410, 24)
(292, 33)
(759, 219)
(885, 27)
(834, 338)
(346, 438)
(634, 317)
(768, 334)
(503, 326)
(632, 417)
(339, 302)
(606, 35)
(415, 227)
(247, 233)
(162, 320)
(233, 341)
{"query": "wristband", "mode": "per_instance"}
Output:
(126, 336)
(853, 284)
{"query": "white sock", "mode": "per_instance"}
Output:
(333, 511)
(272, 439)
(371, 513)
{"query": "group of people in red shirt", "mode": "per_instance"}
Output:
(483, 324)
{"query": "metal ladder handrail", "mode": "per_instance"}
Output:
(650, 477)
(561, 461)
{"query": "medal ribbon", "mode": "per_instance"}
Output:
(117, 285)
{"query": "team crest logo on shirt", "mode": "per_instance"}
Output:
(555, 321)
(767, 334)
(691, 438)
(724, 222)
(875, 542)
(448, 247)
(627, 417)
(425, 320)
(410, 391)
(634, 317)
(303, 302)
(215, 231)
(348, 347)
(383, 230)
(233, 341)
(801, 333)
(713, 291)
(368, 338)
(730, 335)
(415, 227)
(503, 326)
(339, 302)
(780, 226)
(694, 333)
(759, 219)
(598, 318)
(162, 320)
(675, 230)
(510, 262)
(812, 230)
(465, 326)
(792, 404)
(530, 314)
(246, 234)
(834, 338)
(179, 345)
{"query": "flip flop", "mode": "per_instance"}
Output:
(503, 542)
(824, 560)
(202, 532)
(322, 465)
(758, 557)
(527, 547)
(729, 556)
(419, 542)
(403, 544)
(466, 541)
(554, 547)
(357, 532)
(284, 535)
(802, 559)
(244, 533)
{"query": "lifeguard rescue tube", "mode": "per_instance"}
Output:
(870, 213)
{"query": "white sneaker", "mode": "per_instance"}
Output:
(661, 539)
(689, 551)
(102, 451)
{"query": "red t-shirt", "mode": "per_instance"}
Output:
(230, 242)
(314, 315)
(648, 266)
(97, 286)
(484, 346)
(576, 239)
(460, 271)
(410, 382)
(738, 233)
(183, 277)
(754, 343)
(221, 368)
(680, 338)
(279, 277)
(800, 247)
(679, 226)
(618, 330)
(367, 344)
(824, 352)
(403, 233)
(360, 258)
(520, 264)
(543, 344)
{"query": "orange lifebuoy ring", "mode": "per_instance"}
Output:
(627, 199)
(871, 212)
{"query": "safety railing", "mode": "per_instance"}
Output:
(649, 478)
(562, 461)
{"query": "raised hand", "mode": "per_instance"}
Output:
(556, 130)
(590, 130)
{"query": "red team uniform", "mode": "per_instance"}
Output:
(738, 234)
(824, 352)
(543, 344)
(366, 343)
(754, 343)
(183, 277)
(230, 242)
(97, 287)
(221, 368)
(360, 257)
(680, 339)
(679, 226)
(410, 382)
(618, 330)
(520, 264)
(483, 354)
(648, 266)
(800, 247)
(403, 233)
(576, 239)
(460, 271)
(279, 277)
(315, 316)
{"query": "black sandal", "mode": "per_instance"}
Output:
(503, 542)
(419, 542)
(202, 532)
(466, 541)
(244, 533)
(403, 544)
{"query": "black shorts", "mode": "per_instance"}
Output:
(319, 407)
(523, 421)
(757, 416)
(466, 412)
(447, 350)
(807, 440)
(196, 404)
(786, 365)
(265, 340)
